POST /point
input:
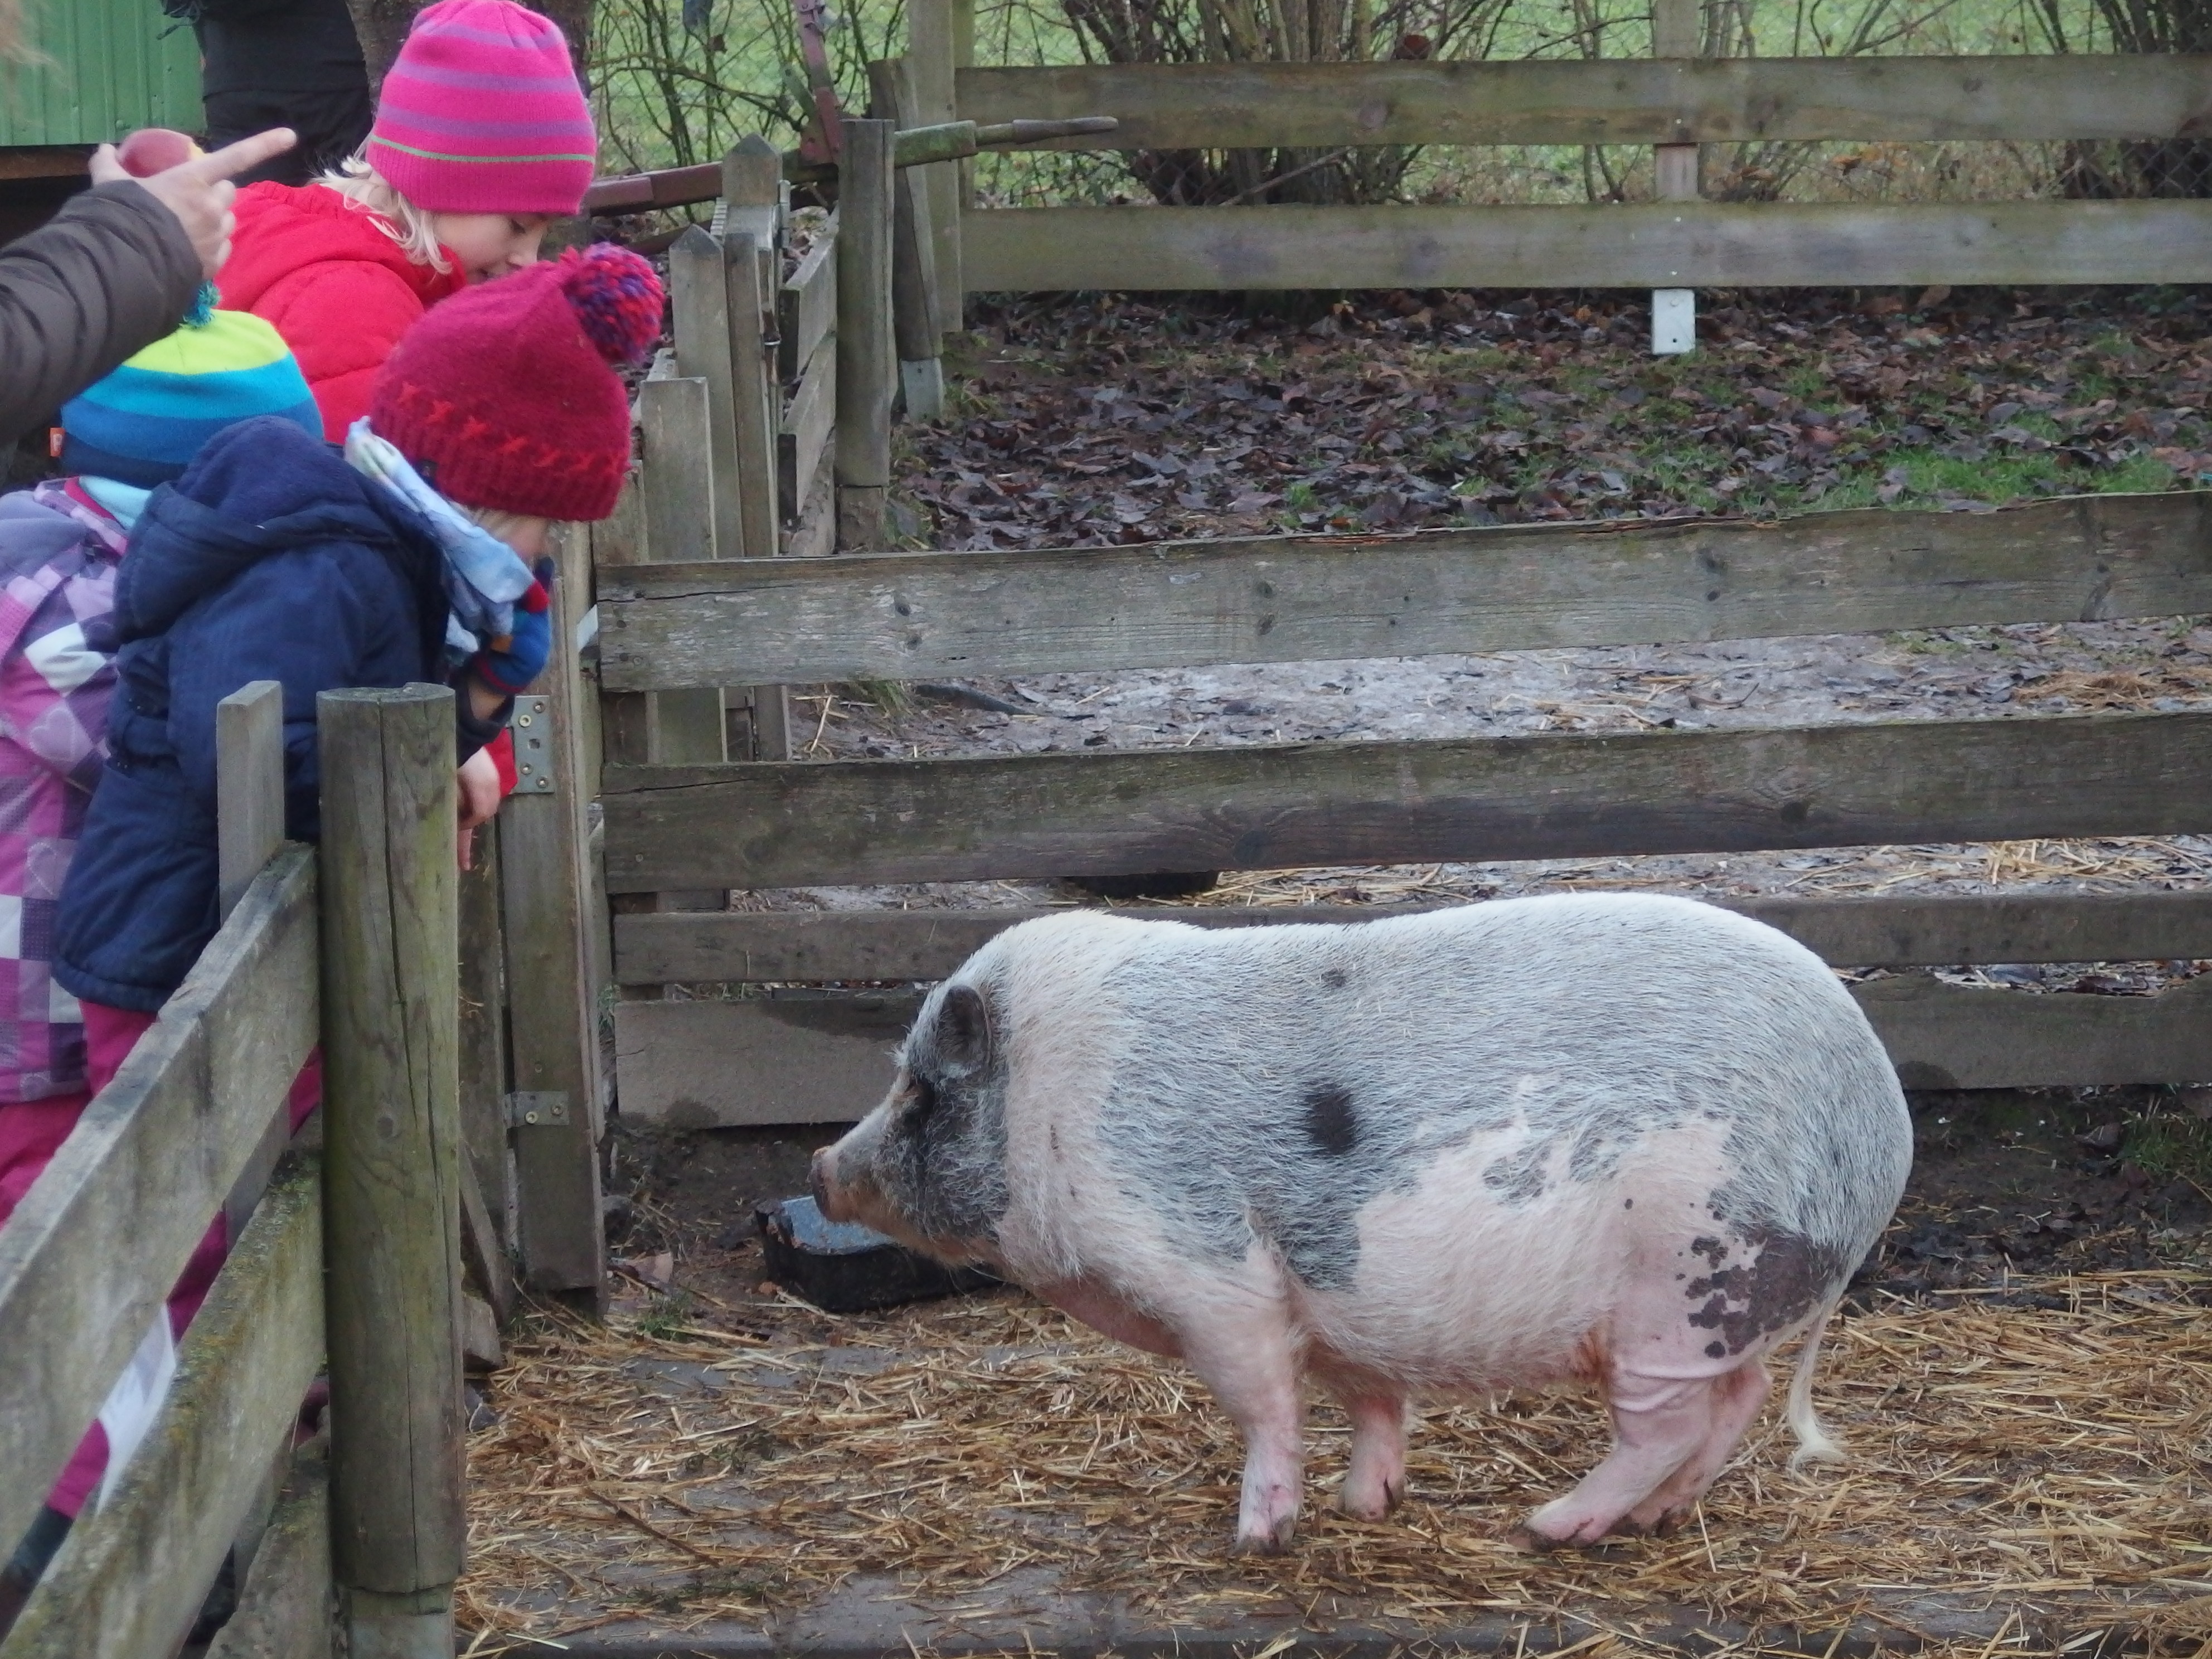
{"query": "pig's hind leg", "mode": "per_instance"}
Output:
(1660, 1426)
(1735, 1400)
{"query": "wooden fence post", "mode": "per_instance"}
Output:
(249, 792)
(867, 359)
(391, 1010)
(752, 195)
(914, 254)
(552, 1008)
(941, 39)
(1676, 31)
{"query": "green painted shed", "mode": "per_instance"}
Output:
(106, 67)
(111, 65)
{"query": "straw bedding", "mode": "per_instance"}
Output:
(2041, 1447)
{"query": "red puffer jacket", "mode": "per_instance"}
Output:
(341, 292)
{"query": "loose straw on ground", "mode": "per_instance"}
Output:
(2047, 1447)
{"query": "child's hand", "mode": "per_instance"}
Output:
(510, 668)
(476, 783)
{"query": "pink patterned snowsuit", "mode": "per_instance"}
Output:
(57, 650)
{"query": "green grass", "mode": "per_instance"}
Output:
(2170, 1147)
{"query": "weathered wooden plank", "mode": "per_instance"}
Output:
(484, 1041)
(719, 1064)
(915, 304)
(249, 788)
(1551, 795)
(940, 35)
(867, 368)
(807, 305)
(1955, 1037)
(1677, 101)
(284, 1609)
(483, 1248)
(391, 1133)
(132, 1580)
(1677, 32)
(1648, 244)
(708, 337)
(792, 1058)
(1288, 598)
(149, 1162)
(249, 764)
(677, 480)
(552, 1022)
(752, 237)
(810, 425)
(739, 946)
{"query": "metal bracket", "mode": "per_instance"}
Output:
(537, 1109)
(533, 745)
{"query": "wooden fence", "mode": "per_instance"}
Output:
(791, 1054)
(1675, 101)
(350, 1252)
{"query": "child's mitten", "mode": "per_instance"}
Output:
(510, 666)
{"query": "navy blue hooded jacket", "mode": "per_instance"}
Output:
(270, 559)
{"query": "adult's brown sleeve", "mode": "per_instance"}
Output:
(111, 273)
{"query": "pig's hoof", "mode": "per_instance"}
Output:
(1369, 1504)
(1526, 1537)
(1273, 1542)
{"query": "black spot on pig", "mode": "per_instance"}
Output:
(1334, 978)
(1715, 1350)
(1331, 1122)
(1518, 1178)
(1777, 1277)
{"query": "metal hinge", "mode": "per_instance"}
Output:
(537, 1109)
(533, 745)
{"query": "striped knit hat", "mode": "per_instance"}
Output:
(143, 423)
(481, 113)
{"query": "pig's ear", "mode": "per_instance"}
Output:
(963, 1031)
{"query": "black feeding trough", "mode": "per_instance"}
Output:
(842, 1268)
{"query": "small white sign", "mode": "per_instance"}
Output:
(1674, 321)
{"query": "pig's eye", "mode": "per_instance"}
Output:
(925, 1097)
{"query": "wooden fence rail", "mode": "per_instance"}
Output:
(1684, 100)
(1274, 807)
(150, 1161)
(1287, 599)
(1642, 245)
(1915, 930)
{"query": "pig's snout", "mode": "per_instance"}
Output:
(822, 1181)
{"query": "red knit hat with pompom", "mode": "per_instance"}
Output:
(504, 396)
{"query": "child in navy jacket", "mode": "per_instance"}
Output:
(403, 559)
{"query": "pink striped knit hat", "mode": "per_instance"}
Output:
(481, 113)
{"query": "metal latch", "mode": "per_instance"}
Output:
(533, 745)
(537, 1109)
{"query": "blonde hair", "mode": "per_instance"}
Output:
(388, 210)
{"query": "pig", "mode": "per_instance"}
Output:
(1611, 1139)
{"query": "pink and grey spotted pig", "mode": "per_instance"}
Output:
(1626, 1140)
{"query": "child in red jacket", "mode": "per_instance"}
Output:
(483, 137)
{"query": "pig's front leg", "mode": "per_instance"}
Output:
(1245, 1354)
(1375, 1483)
